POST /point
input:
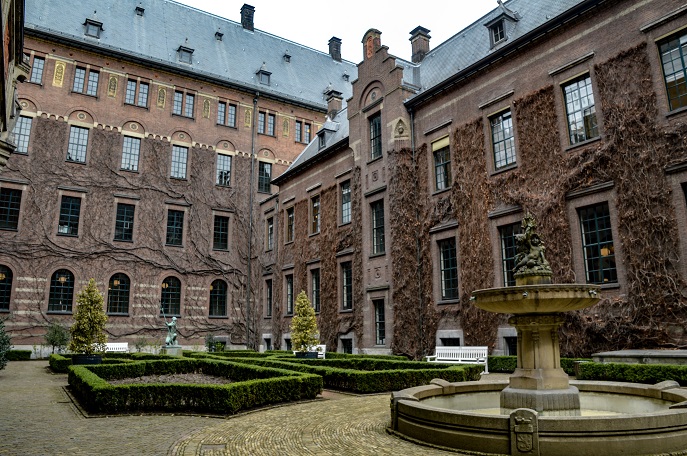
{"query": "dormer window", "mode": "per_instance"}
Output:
(218, 36)
(497, 32)
(93, 28)
(498, 26)
(140, 10)
(322, 140)
(287, 56)
(185, 54)
(263, 75)
(346, 76)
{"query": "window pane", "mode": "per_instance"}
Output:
(306, 135)
(142, 94)
(130, 96)
(264, 177)
(270, 124)
(79, 79)
(508, 251)
(290, 224)
(597, 244)
(179, 157)
(223, 170)
(299, 132)
(346, 202)
(675, 70)
(78, 141)
(268, 297)
(347, 285)
(289, 295)
(378, 227)
(118, 294)
(178, 101)
(449, 269)
(269, 228)
(188, 109)
(92, 83)
(376, 136)
(175, 227)
(130, 152)
(5, 287)
(579, 104)
(221, 112)
(315, 298)
(261, 122)
(442, 168)
(231, 119)
(502, 139)
(124, 224)
(221, 233)
(69, 216)
(315, 215)
(380, 329)
(170, 298)
(37, 70)
(61, 291)
(218, 298)
(10, 201)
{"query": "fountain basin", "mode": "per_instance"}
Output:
(641, 420)
(536, 299)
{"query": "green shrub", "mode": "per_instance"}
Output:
(19, 355)
(507, 364)
(633, 373)
(5, 345)
(57, 336)
(59, 363)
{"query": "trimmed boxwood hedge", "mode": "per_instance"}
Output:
(61, 363)
(507, 364)
(634, 373)
(253, 386)
(19, 355)
(375, 381)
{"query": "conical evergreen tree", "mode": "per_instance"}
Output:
(304, 333)
(5, 345)
(88, 330)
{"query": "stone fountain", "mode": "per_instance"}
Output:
(540, 411)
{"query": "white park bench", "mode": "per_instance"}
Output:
(320, 349)
(120, 347)
(461, 355)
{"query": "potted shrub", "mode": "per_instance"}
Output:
(57, 336)
(304, 333)
(88, 331)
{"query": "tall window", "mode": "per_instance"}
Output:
(269, 228)
(136, 93)
(502, 140)
(218, 298)
(268, 297)
(70, 210)
(315, 214)
(264, 177)
(508, 251)
(183, 104)
(261, 122)
(290, 225)
(289, 294)
(380, 329)
(37, 70)
(580, 109)
(378, 245)
(131, 149)
(315, 284)
(124, 223)
(179, 160)
(118, 294)
(61, 291)
(226, 114)
(10, 203)
(223, 170)
(346, 202)
(86, 81)
(266, 123)
(220, 238)
(307, 132)
(449, 268)
(22, 133)
(674, 59)
(347, 285)
(170, 298)
(78, 141)
(597, 243)
(376, 136)
(175, 227)
(442, 168)
(5, 288)
(497, 32)
(299, 131)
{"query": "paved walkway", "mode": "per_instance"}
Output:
(38, 418)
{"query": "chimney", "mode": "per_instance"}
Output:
(335, 48)
(247, 13)
(334, 102)
(419, 39)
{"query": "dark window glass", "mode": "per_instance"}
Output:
(79, 80)
(170, 298)
(315, 298)
(502, 139)
(450, 341)
(508, 251)
(124, 224)
(315, 214)
(378, 244)
(346, 202)
(78, 142)
(269, 228)
(22, 133)
(118, 294)
(93, 29)
(512, 346)
(498, 32)
(221, 113)
(268, 343)
(5, 287)
(307, 132)
(261, 123)
(268, 297)
(347, 346)
(449, 269)
(380, 329)
(299, 131)
(290, 226)
(218, 298)
(186, 56)
(264, 177)
(221, 233)
(142, 99)
(136, 93)
(289, 294)
(442, 168)
(131, 149)
(270, 124)
(223, 170)
(674, 63)
(85, 81)
(580, 110)
(37, 70)
(70, 210)
(92, 87)
(175, 227)
(130, 96)
(178, 103)
(288, 344)
(10, 203)
(597, 243)
(61, 291)
(347, 285)
(179, 160)
(376, 136)
(231, 117)
(188, 108)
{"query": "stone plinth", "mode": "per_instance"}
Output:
(172, 350)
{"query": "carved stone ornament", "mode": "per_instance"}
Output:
(161, 96)
(401, 129)
(112, 86)
(58, 77)
(530, 259)
(206, 109)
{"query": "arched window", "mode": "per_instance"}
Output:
(61, 291)
(218, 298)
(170, 299)
(118, 294)
(5, 287)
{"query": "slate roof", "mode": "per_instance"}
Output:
(473, 43)
(166, 25)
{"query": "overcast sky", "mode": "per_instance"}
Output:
(313, 24)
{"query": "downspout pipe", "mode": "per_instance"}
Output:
(418, 246)
(250, 217)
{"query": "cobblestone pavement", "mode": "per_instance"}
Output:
(38, 418)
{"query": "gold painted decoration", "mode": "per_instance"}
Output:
(58, 76)
(247, 117)
(112, 86)
(206, 109)
(285, 127)
(161, 96)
